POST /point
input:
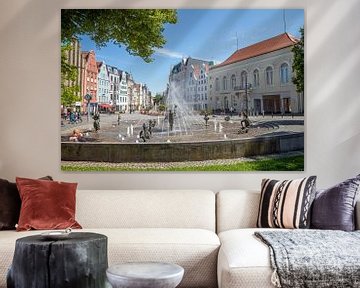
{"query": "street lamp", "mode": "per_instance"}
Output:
(247, 89)
(88, 98)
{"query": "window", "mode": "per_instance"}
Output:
(284, 73)
(233, 81)
(243, 79)
(224, 83)
(269, 76)
(217, 84)
(256, 78)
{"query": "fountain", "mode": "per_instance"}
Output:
(180, 134)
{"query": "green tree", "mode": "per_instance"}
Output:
(158, 99)
(298, 64)
(68, 77)
(139, 30)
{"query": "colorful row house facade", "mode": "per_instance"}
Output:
(89, 81)
(104, 87)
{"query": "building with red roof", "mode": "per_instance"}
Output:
(257, 79)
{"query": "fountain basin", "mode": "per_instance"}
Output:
(182, 151)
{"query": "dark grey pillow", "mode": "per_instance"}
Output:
(334, 208)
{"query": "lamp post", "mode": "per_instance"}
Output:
(247, 90)
(88, 98)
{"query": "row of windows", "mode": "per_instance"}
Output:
(192, 82)
(114, 79)
(201, 97)
(123, 99)
(103, 82)
(269, 78)
(199, 88)
(103, 90)
(92, 80)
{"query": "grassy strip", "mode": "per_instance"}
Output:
(294, 163)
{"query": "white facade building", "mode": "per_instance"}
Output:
(190, 80)
(103, 86)
(123, 100)
(114, 77)
(257, 79)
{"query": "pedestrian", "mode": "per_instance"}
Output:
(72, 118)
(231, 111)
(244, 121)
(78, 117)
(96, 118)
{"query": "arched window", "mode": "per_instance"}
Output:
(243, 79)
(269, 75)
(256, 78)
(233, 82)
(217, 84)
(224, 83)
(284, 73)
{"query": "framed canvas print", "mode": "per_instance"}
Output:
(182, 90)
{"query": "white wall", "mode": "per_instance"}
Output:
(30, 88)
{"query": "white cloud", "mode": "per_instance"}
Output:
(169, 53)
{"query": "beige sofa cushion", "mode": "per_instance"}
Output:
(146, 209)
(244, 261)
(236, 209)
(194, 249)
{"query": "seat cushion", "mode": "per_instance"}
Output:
(244, 261)
(196, 250)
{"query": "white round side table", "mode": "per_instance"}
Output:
(145, 275)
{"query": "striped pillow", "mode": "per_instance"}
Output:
(286, 204)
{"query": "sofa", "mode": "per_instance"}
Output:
(209, 234)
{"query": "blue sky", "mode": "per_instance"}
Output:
(203, 34)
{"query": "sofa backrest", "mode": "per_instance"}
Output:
(236, 209)
(146, 209)
(239, 209)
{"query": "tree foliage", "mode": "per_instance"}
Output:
(139, 30)
(159, 99)
(298, 64)
(69, 75)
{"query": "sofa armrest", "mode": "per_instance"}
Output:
(357, 215)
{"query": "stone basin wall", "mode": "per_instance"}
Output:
(184, 151)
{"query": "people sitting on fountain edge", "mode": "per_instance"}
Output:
(245, 122)
(77, 136)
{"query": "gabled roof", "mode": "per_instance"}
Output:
(269, 45)
(99, 64)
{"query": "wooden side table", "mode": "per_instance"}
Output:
(145, 275)
(78, 261)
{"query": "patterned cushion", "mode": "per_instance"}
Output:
(286, 204)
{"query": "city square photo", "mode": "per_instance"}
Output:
(182, 90)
